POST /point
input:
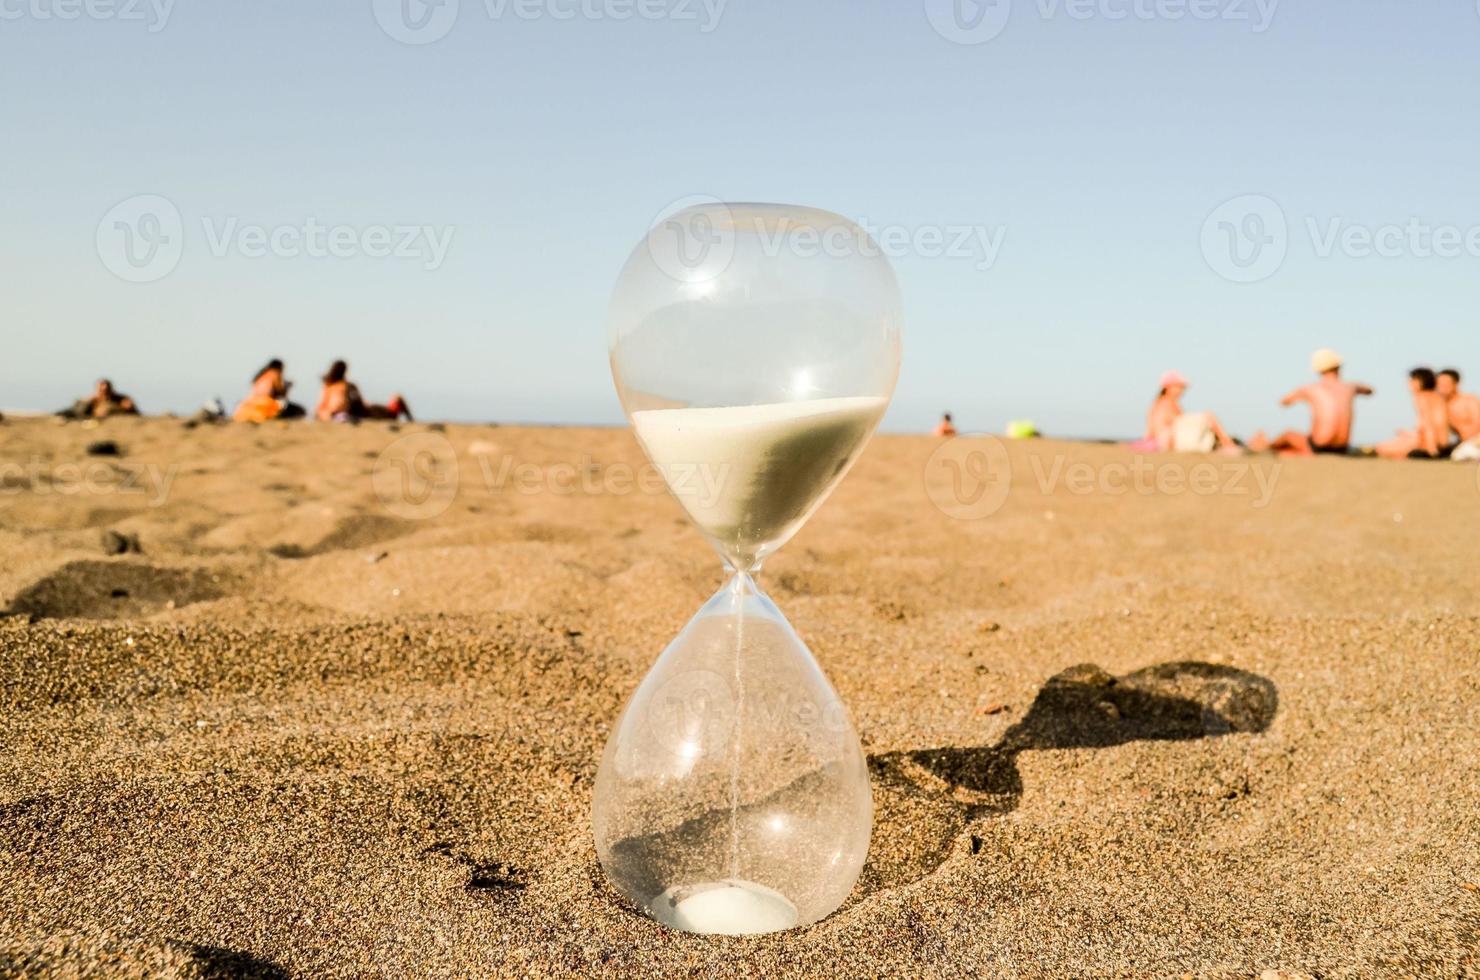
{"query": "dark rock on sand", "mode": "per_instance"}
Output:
(117, 543)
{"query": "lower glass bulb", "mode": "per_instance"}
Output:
(733, 796)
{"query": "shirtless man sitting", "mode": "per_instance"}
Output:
(1430, 438)
(1332, 405)
(1463, 407)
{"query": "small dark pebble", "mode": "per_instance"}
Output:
(119, 593)
(115, 543)
(104, 447)
(497, 876)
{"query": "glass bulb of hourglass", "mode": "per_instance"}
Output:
(733, 796)
(754, 348)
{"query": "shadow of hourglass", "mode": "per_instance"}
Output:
(942, 790)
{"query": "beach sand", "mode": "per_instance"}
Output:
(336, 707)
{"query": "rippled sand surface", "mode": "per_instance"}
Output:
(318, 701)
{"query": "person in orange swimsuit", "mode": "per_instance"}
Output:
(269, 397)
(947, 428)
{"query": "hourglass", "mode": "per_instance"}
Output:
(754, 349)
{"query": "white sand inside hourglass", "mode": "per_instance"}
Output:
(725, 908)
(747, 473)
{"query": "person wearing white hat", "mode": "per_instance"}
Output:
(1332, 402)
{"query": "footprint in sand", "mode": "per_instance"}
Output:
(302, 533)
(79, 953)
(947, 788)
(115, 590)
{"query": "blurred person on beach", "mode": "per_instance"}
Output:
(1332, 404)
(340, 400)
(103, 402)
(1463, 407)
(1429, 439)
(1169, 429)
(269, 397)
(946, 428)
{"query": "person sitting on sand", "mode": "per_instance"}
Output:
(1429, 439)
(1169, 429)
(1462, 406)
(946, 428)
(269, 397)
(103, 402)
(340, 400)
(1332, 406)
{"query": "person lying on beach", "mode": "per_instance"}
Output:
(340, 400)
(103, 402)
(269, 397)
(946, 428)
(1169, 429)
(1429, 439)
(1332, 404)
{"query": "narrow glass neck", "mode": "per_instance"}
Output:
(734, 569)
(741, 583)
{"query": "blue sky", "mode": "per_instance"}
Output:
(1095, 137)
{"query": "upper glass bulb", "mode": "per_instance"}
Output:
(776, 330)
